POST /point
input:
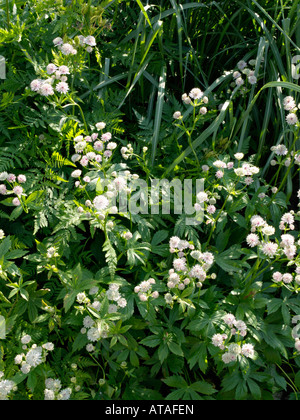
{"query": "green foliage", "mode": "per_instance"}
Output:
(104, 301)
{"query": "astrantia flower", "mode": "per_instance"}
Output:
(239, 81)
(88, 322)
(62, 87)
(174, 242)
(196, 93)
(93, 334)
(18, 190)
(287, 278)
(248, 350)
(64, 394)
(252, 80)
(234, 348)
(287, 240)
(289, 103)
(229, 319)
(101, 202)
(26, 339)
(257, 221)
(58, 41)
(219, 174)
(292, 119)
(48, 346)
(76, 174)
(211, 209)
(46, 89)
(67, 49)
(120, 183)
(290, 251)
(229, 357)
(100, 125)
(81, 297)
(90, 40)
(268, 230)
(111, 145)
(219, 164)
(239, 156)
(280, 150)
(179, 264)
(218, 340)
(106, 136)
(208, 258)
(252, 240)
(16, 202)
(269, 249)
(25, 368)
(241, 64)
(21, 179)
(202, 197)
(51, 68)
(34, 356)
(35, 85)
(168, 298)
(18, 359)
(240, 172)
(288, 218)
(98, 146)
(122, 303)
(6, 386)
(177, 115)
(49, 395)
(64, 70)
(277, 277)
(198, 272)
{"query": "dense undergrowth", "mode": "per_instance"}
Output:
(149, 194)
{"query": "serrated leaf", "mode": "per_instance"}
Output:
(175, 381)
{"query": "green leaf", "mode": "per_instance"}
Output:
(5, 246)
(163, 352)
(175, 348)
(159, 237)
(175, 382)
(203, 387)
(80, 341)
(254, 388)
(151, 341)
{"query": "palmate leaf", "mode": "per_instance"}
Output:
(76, 281)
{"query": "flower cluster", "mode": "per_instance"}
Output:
(238, 328)
(98, 329)
(53, 390)
(114, 295)
(57, 74)
(145, 291)
(14, 182)
(69, 48)
(34, 356)
(195, 98)
(243, 69)
(290, 106)
(261, 232)
(244, 170)
(6, 387)
(185, 271)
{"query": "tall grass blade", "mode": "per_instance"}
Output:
(158, 111)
